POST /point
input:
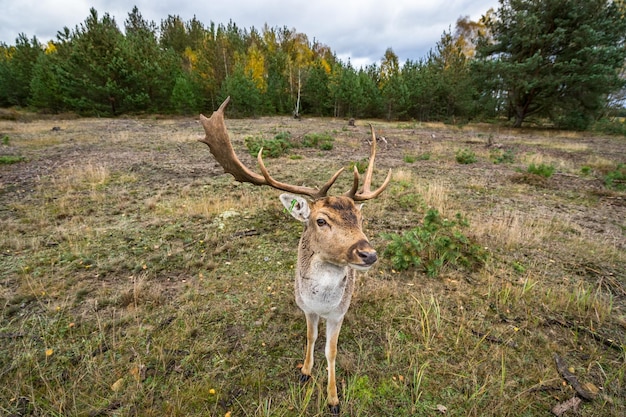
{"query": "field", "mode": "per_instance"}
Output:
(137, 279)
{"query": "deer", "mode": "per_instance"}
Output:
(332, 246)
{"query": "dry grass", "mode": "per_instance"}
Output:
(542, 159)
(135, 279)
(513, 229)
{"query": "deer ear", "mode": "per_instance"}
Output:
(297, 206)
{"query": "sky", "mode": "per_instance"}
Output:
(358, 30)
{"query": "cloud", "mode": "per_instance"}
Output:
(359, 30)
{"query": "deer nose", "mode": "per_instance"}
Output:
(368, 257)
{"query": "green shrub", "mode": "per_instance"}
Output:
(499, 157)
(410, 201)
(272, 148)
(5, 140)
(323, 141)
(10, 159)
(465, 156)
(434, 245)
(286, 136)
(543, 170)
(409, 159)
(361, 165)
(611, 127)
(574, 120)
(616, 179)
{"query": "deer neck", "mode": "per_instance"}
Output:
(322, 287)
(325, 273)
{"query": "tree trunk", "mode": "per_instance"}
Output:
(520, 114)
(296, 113)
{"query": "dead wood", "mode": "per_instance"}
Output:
(562, 367)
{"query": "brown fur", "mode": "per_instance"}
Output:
(328, 254)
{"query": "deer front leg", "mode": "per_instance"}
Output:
(312, 321)
(333, 327)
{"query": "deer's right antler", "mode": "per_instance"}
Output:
(220, 146)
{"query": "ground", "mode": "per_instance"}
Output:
(136, 278)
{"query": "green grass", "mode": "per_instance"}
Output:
(136, 279)
(10, 159)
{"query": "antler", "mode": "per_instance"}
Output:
(219, 144)
(366, 193)
(221, 148)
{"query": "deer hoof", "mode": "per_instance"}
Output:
(334, 409)
(304, 378)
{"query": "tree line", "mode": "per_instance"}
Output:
(560, 61)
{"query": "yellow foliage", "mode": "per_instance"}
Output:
(255, 66)
(326, 66)
(51, 48)
(191, 58)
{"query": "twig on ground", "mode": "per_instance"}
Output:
(562, 367)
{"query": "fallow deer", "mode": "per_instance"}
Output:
(331, 248)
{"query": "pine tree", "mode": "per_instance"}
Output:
(244, 94)
(554, 58)
(17, 69)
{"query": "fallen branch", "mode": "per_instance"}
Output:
(562, 367)
(245, 233)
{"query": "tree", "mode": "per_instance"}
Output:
(451, 80)
(315, 93)
(241, 87)
(392, 85)
(373, 101)
(346, 91)
(467, 32)
(16, 69)
(45, 89)
(5, 74)
(300, 56)
(554, 58)
(173, 34)
(148, 70)
(92, 73)
(185, 98)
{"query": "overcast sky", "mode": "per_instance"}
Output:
(360, 30)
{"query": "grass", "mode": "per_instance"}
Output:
(136, 279)
(10, 159)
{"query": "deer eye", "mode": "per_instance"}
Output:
(321, 222)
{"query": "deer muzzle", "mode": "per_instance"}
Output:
(363, 255)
